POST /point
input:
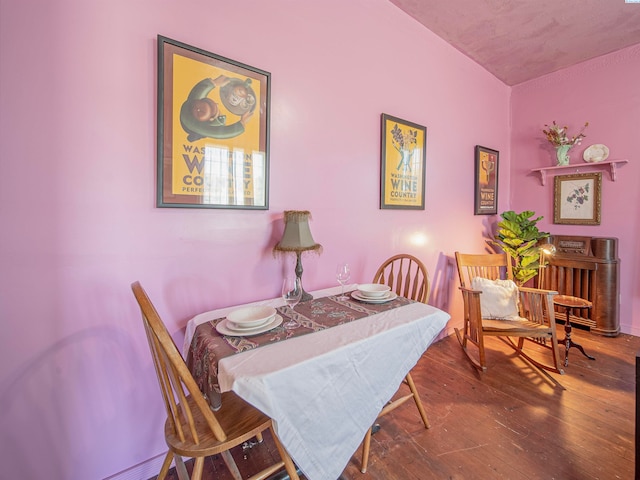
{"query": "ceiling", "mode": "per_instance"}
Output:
(517, 40)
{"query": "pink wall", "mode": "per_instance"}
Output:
(606, 93)
(77, 192)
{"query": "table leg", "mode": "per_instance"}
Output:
(567, 339)
(579, 347)
(568, 342)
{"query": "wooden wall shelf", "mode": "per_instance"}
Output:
(613, 165)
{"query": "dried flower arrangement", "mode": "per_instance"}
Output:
(558, 136)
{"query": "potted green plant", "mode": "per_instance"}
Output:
(518, 237)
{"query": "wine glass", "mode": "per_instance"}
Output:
(291, 293)
(343, 274)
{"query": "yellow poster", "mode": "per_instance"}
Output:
(214, 132)
(403, 164)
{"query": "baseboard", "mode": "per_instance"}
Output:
(630, 329)
(142, 471)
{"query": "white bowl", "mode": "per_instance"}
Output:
(247, 317)
(373, 290)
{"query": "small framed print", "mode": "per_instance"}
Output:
(576, 199)
(213, 130)
(403, 160)
(486, 181)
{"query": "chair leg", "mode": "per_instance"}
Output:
(198, 466)
(165, 465)
(231, 464)
(416, 398)
(181, 469)
(366, 445)
(288, 463)
(464, 339)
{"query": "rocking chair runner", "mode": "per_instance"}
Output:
(537, 323)
(192, 429)
(407, 276)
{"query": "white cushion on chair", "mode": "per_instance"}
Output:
(499, 298)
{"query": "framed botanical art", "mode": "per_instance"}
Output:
(486, 181)
(213, 130)
(576, 199)
(403, 163)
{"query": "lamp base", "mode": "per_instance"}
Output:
(306, 296)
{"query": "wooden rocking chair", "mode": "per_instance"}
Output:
(536, 324)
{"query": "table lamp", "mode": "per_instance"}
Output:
(297, 238)
(546, 250)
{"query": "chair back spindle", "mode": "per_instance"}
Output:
(406, 275)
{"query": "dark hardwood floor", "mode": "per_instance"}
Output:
(512, 422)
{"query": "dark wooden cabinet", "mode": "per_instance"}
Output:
(589, 268)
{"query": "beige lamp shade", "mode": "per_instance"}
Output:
(297, 234)
(297, 238)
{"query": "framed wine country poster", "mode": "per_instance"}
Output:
(213, 130)
(486, 181)
(402, 164)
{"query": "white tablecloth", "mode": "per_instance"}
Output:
(325, 389)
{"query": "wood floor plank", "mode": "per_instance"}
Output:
(512, 422)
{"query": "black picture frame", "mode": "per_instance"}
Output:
(487, 161)
(212, 130)
(403, 162)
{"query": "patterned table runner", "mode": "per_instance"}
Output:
(208, 346)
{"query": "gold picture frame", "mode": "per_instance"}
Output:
(576, 199)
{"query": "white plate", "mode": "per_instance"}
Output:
(596, 153)
(391, 296)
(224, 328)
(256, 316)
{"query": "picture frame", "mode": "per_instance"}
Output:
(212, 130)
(486, 181)
(576, 199)
(403, 162)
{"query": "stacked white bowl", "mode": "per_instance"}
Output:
(373, 290)
(248, 318)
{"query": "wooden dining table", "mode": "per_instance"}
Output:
(323, 383)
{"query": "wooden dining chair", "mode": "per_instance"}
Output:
(192, 429)
(407, 276)
(493, 307)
